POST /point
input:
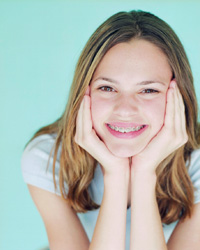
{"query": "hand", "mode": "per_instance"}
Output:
(87, 138)
(171, 136)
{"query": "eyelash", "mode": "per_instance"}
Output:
(145, 91)
(149, 91)
(108, 87)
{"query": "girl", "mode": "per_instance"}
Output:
(124, 155)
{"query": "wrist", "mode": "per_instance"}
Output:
(116, 169)
(145, 174)
(118, 176)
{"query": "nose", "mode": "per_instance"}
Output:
(126, 106)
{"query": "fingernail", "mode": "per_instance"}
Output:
(173, 84)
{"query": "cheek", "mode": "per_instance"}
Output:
(99, 108)
(156, 111)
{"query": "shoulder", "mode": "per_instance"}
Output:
(43, 142)
(38, 150)
(37, 164)
(194, 172)
(194, 163)
(195, 157)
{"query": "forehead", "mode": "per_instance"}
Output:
(136, 58)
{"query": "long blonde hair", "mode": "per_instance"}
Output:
(174, 190)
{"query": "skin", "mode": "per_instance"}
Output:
(119, 93)
(131, 163)
(166, 131)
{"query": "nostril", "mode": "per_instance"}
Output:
(126, 108)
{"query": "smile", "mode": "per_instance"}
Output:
(126, 130)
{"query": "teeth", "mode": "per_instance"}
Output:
(125, 130)
(122, 130)
(116, 128)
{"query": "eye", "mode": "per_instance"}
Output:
(106, 89)
(149, 91)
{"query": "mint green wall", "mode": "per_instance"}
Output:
(40, 42)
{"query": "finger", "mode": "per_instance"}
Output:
(87, 91)
(177, 106)
(86, 117)
(170, 111)
(182, 114)
(90, 140)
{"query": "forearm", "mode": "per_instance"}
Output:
(146, 226)
(110, 229)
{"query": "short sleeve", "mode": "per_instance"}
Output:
(34, 163)
(194, 172)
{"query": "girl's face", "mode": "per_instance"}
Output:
(128, 96)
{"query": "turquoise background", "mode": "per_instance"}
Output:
(40, 42)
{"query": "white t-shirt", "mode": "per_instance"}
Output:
(35, 172)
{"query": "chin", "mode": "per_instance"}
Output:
(125, 152)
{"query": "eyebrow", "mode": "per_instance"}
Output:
(139, 83)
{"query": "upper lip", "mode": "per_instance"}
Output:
(125, 124)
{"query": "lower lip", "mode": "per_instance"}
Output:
(128, 135)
